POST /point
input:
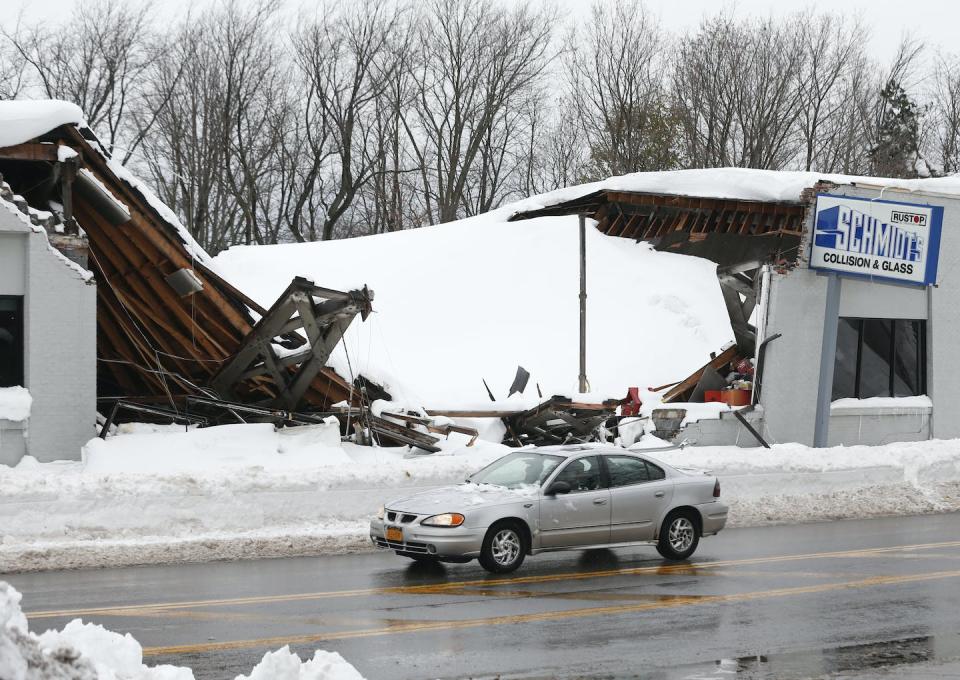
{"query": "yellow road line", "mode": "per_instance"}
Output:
(421, 626)
(452, 586)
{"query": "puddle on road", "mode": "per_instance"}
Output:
(826, 662)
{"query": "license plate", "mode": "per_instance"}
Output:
(394, 534)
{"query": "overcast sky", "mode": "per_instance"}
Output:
(936, 21)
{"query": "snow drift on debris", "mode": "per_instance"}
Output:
(468, 300)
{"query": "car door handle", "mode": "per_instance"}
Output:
(599, 501)
(659, 494)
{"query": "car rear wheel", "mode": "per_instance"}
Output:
(679, 536)
(504, 548)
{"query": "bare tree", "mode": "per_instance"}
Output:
(828, 83)
(477, 60)
(945, 112)
(615, 71)
(99, 63)
(346, 58)
(12, 70)
(212, 149)
(735, 84)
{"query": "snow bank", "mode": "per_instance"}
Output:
(15, 403)
(241, 491)
(918, 462)
(21, 120)
(285, 665)
(791, 483)
(460, 302)
(83, 651)
(220, 448)
(166, 495)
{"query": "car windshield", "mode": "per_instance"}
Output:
(518, 469)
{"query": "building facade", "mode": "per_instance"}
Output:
(47, 342)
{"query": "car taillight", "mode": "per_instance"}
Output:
(716, 489)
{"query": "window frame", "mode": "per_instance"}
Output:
(860, 325)
(606, 464)
(20, 347)
(602, 471)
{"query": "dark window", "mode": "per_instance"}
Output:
(655, 472)
(582, 474)
(11, 341)
(626, 470)
(880, 358)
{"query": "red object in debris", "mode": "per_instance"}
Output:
(745, 367)
(631, 405)
(713, 395)
(736, 397)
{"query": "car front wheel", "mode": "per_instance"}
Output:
(678, 536)
(504, 548)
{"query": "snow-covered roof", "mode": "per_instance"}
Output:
(742, 184)
(23, 120)
(470, 300)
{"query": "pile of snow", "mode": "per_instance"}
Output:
(21, 120)
(15, 403)
(160, 494)
(468, 300)
(285, 665)
(84, 651)
(792, 483)
(221, 448)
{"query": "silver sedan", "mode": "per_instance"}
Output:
(554, 498)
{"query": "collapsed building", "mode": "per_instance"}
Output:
(168, 334)
(843, 322)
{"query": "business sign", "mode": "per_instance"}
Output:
(877, 239)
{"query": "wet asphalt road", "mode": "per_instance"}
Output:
(841, 599)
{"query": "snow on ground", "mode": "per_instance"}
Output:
(15, 403)
(84, 651)
(160, 494)
(163, 494)
(468, 300)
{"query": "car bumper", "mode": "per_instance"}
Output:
(714, 517)
(420, 540)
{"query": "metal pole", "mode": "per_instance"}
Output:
(583, 304)
(828, 353)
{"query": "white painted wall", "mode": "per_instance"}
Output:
(60, 344)
(790, 376)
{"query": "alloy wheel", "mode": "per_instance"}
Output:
(681, 534)
(505, 547)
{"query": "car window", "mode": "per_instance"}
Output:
(582, 474)
(626, 470)
(655, 472)
(518, 469)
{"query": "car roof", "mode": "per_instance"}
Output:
(570, 450)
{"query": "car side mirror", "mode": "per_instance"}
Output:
(558, 487)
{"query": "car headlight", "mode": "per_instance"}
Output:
(447, 519)
(380, 512)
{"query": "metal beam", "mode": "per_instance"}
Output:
(828, 354)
